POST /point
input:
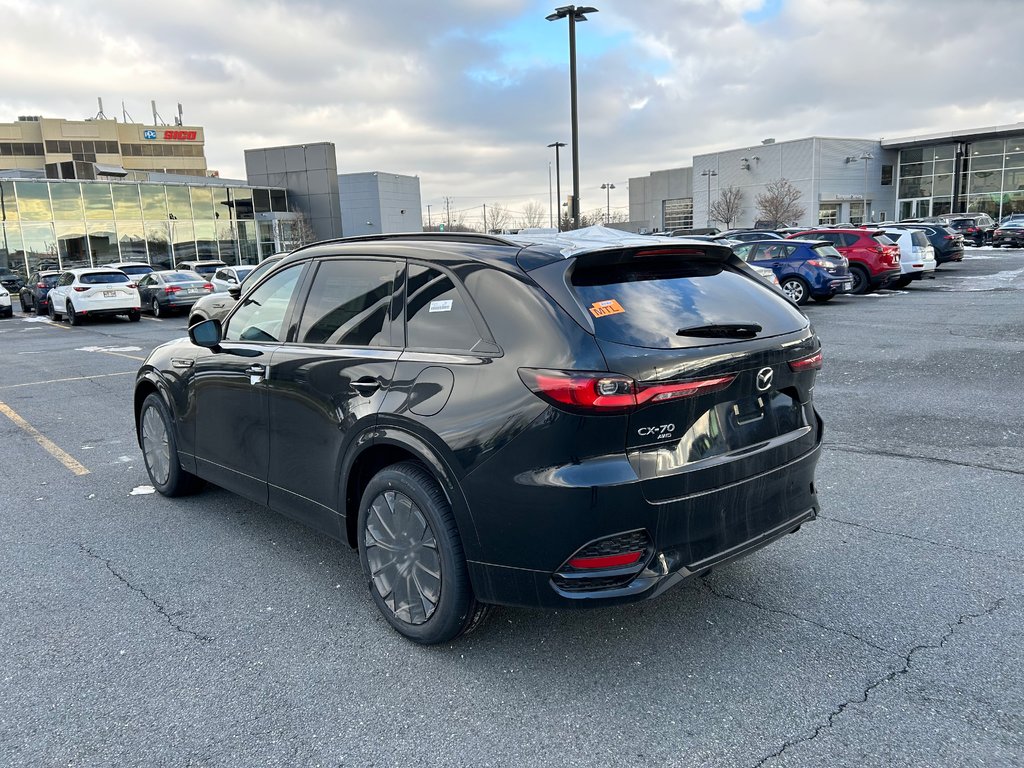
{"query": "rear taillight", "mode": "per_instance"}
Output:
(817, 263)
(171, 289)
(81, 288)
(608, 393)
(811, 363)
(40, 285)
(208, 286)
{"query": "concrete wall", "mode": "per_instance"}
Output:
(309, 172)
(647, 193)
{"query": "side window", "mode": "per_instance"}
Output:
(260, 317)
(845, 240)
(222, 274)
(436, 313)
(743, 251)
(349, 304)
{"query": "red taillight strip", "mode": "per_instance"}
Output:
(657, 393)
(812, 363)
(607, 393)
(606, 561)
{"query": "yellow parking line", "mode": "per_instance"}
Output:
(48, 445)
(73, 378)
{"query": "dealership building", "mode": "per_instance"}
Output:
(843, 180)
(90, 192)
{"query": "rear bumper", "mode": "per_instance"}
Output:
(688, 535)
(881, 279)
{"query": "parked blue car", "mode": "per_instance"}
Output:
(806, 269)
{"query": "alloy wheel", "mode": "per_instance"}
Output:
(794, 289)
(156, 446)
(403, 558)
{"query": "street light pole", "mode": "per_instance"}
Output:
(558, 182)
(551, 210)
(608, 201)
(709, 173)
(574, 14)
(865, 157)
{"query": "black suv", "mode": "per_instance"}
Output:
(975, 227)
(947, 242)
(491, 422)
(33, 294)
(10, 280)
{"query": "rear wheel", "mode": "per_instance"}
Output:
(25, 306)
(901, 282)
(796, 289)
(135, 315)
(160, 450)
(824, 299)
(52, 311)
(861, 281)
(412, 557)
(155, 307)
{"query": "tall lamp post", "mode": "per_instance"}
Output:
(558, 182)
(608, 201)
(709, 173)
(574, 14)
(866, 156)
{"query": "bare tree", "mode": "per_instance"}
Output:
(499, 217)
(299, 231)
(779, 203)
(533, 215)
(728, 207)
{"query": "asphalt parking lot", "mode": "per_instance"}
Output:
(208, 631)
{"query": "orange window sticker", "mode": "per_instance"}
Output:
(605, 308)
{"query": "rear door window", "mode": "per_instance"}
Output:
(645, 302)
(437, 312)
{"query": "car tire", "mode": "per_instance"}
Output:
(824, 299)
(796, 289)
(73, 319)
(412, 557)
(135, 315)
(901, 282)
(160, 450)
(25, 308)
(861, 280)
(51, 310)
(154, 307)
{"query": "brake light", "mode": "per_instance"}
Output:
(40, 285)
(812, 363)
(606, 561)
(171, 289)
(208, 286)
(608, 393)
(81, 288)
(816, 263)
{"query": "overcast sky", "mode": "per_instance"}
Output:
(466, 94)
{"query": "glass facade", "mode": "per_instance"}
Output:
(64, 224)
(981, 177)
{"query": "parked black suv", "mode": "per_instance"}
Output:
(551, 424)
(947, 242)
(975, 227)
(33, 294)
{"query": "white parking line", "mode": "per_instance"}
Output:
(73, 378)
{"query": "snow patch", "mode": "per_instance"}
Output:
(108, 349)
(142, 490)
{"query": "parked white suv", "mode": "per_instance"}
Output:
(917, 255)
(6, 310)
(94, 292)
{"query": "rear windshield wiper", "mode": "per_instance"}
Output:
(722, 331)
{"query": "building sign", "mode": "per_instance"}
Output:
(171, 135)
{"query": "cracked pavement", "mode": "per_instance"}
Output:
(207, 631)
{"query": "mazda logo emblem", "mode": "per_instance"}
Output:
(764, 379)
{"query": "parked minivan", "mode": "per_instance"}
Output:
(550, 421)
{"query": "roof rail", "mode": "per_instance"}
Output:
(448, 237)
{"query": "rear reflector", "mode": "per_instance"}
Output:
(812, 363)
(606, 561)
(608, 393)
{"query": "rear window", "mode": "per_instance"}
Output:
(919, 238)
(207, 269)
(141, 269)
(644, 303)
(828, 251)
(100, 278)
(882, 239)
(180, 277)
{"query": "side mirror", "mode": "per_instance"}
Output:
(235, 291)
(206, 334)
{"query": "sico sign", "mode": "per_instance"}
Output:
(170, 135)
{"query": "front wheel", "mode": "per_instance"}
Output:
(25, 306)
(72, 317)
(412, 557)
(795, 289)
(901, 282)
(53, 312)
(135, 315)
(160, 450)
(155, 306)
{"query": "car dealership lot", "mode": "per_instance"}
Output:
(209, 631)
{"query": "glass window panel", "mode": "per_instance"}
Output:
(985, 181)
(915, 187)
(34, 201)
(202, 203)
(886, 177)
(943, 184)
(349, 304)
(1015, 160)
(72, 244)
(991, 147)
(983, 204)
(184, 238)
(944, 166)
(40, 246)
(1015, 145)
(941, 205)
(98, 203)
(944, 152)
(206, 240)
(131, 240)
(242, 203)
(179, 206)
(247, 250)
(828, 213)
(908, 156)
(1013, 179)
(260, 317)
(103, 242)
(988, 163)
(8, 202)
(154, 202)
(158, 240)
(261, 200)
(916, 169)
(127, 206)
(12, 253)
(278, 201)
(1013, 203)
(227, 242)
(64, 147)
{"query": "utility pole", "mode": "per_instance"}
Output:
(485, 218)
(448, 210)
(551, 209)
(428, 217)
(558, 182)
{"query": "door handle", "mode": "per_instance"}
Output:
(257, 373)
(365, 386)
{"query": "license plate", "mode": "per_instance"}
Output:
(109, 294)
